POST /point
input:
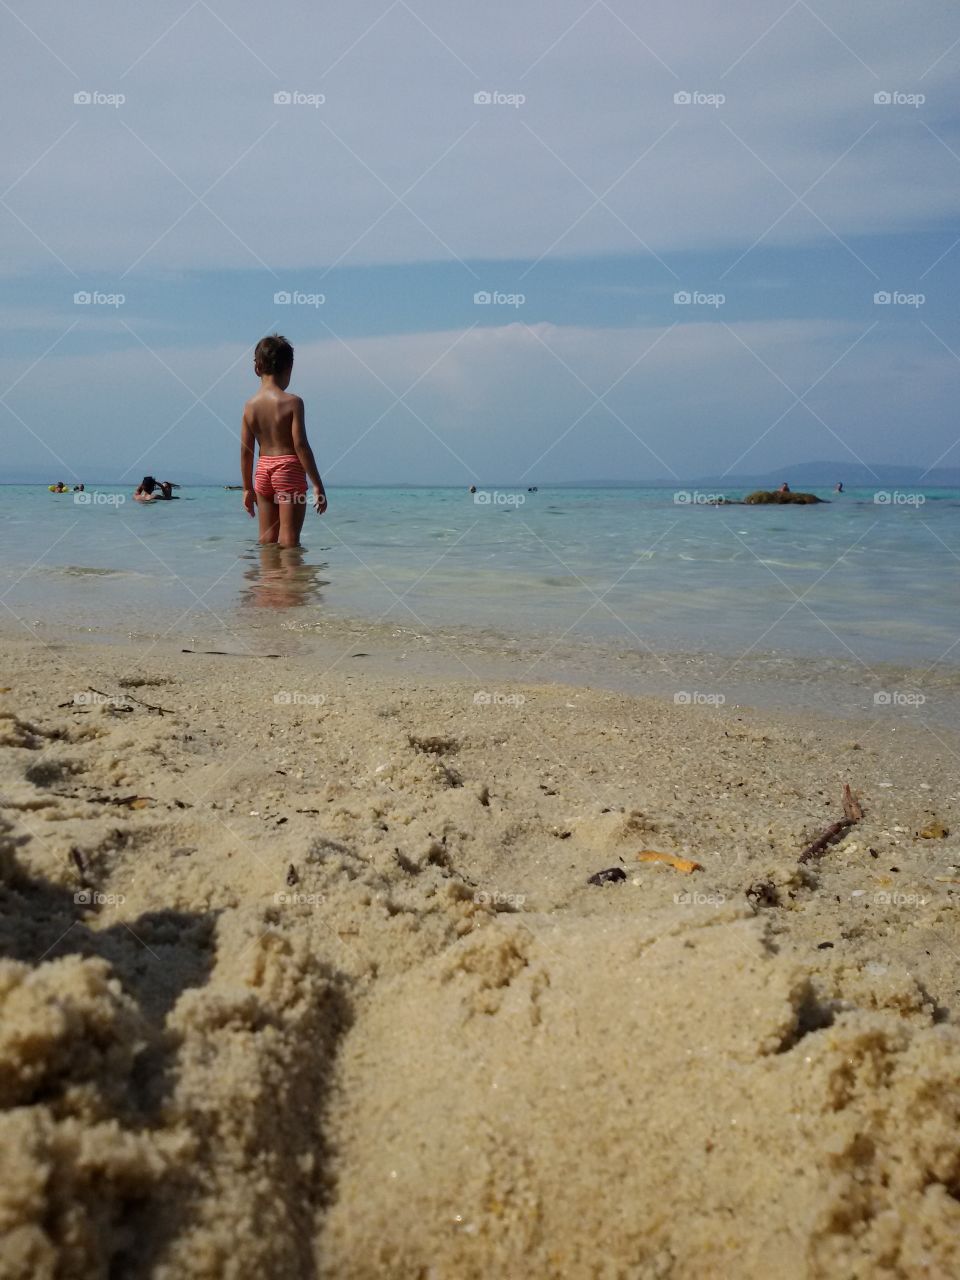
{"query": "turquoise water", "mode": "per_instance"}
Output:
(856, 579)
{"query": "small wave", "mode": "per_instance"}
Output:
(82, 571)
(793, 564)
(710, 559)
(92, 571)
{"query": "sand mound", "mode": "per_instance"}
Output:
(597, 1100)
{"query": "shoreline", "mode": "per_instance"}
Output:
(889, 693)
(331, 963)
(868, 588)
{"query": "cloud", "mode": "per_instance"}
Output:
(284, 185)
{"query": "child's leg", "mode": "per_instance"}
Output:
(301, 506)
(269, 519)
(292, 513)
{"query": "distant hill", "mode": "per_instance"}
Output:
(854, 475)
(95, 476)
(814, 475)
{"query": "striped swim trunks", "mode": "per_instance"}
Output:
(280, 477)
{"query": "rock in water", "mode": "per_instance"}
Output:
(760, 496)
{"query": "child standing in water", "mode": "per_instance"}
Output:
(274, 420)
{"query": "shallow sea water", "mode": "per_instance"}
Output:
(609, 582)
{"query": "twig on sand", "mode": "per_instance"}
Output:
(825, 839)
(851, 805)
(128, 802)
(225, 653)
(852, 814)
(130, 698)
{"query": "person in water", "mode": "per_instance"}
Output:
(784, 488)
(273, 420)
(151, 490)
(838, 487)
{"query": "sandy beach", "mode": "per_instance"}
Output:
(480, 642)
(304, 975)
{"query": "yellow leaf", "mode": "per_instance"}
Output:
(686, 866)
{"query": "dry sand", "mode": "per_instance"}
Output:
(334, 998)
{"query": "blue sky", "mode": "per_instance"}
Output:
(782, 198)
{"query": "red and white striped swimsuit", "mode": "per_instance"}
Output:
(280, 476)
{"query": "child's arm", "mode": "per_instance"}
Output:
(247, 442)
(302, 446)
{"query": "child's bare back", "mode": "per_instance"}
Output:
(271, 414)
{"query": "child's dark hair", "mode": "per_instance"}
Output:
(273, 355)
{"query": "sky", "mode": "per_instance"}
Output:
(536, 242)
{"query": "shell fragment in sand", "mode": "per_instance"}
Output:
(686, 866)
